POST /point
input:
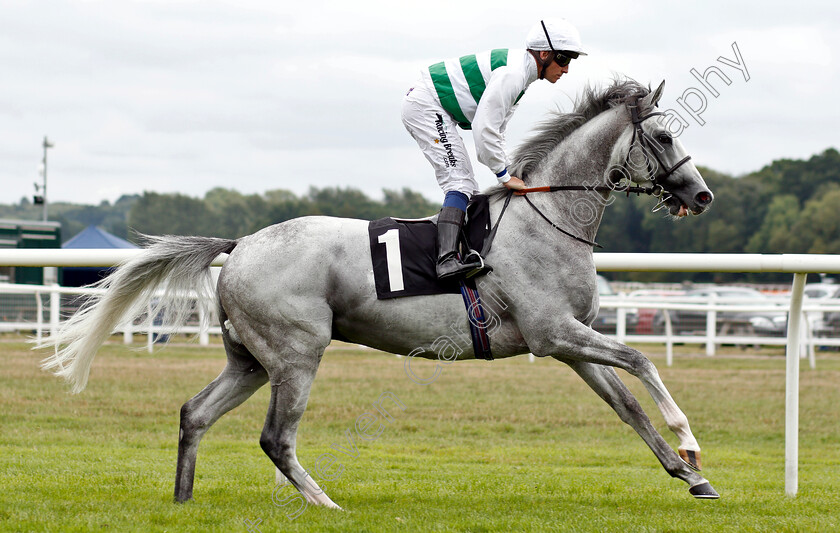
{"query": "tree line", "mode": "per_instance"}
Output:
(789, 206)
(222, 212)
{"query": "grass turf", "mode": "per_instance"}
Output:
(501, 446)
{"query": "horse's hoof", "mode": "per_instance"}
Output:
(704, 491)
(691, 458)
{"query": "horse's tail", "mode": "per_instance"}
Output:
(179, 266)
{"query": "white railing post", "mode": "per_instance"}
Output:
(128, 332)
(203, 324)
(792, 387)
(621, 319)
(55, 308)
(711, 324)
(808, 341)
(151, 326)
(39, 324)
(669, 338)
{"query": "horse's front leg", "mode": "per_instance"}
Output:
(572, 341)
(606, 383)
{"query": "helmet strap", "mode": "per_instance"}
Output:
(544, 64)
(548, 61)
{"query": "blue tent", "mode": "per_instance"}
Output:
(96, 237)
(90, 237)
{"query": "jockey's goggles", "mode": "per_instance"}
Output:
(564, 58)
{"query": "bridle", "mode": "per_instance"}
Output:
(648, 146)
(656, 190)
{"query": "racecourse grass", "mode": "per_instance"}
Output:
(489, 446)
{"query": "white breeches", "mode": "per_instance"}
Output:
(436, 134)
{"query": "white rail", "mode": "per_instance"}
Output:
(203, 330)
(605, 262)
(708, 307)
(711, 305)
(797, 264)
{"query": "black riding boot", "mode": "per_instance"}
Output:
(449, 225)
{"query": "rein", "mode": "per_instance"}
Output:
(558, 228)
(656, 190)
(595, 188)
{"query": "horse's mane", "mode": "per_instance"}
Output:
(551, 132)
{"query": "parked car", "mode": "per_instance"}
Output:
(819, 291)
(829, 325)
(762, 323)
(651, 321)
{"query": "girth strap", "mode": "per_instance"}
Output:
(492, 235)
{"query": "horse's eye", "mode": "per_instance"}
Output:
(664, 138)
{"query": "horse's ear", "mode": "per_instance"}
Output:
(653, 98)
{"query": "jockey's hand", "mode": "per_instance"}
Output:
(514, 183)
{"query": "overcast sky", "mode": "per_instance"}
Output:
(185, 96)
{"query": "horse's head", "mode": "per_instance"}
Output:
(652, 154)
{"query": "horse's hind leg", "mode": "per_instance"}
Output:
(242, 376)
(289, 394)
(606, 383)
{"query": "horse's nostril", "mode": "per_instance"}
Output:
(703, 198)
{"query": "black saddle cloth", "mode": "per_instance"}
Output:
(404, 252)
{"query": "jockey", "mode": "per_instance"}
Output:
(478, 92)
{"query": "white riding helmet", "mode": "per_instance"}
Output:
(554, 34)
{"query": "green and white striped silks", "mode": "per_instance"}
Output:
(460, 82)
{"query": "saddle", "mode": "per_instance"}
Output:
(404, 252)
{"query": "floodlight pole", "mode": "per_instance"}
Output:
(47, 144)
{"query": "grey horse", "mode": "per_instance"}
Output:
(287, 290)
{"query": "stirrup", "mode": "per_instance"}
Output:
(481, 269)
(459, 269)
